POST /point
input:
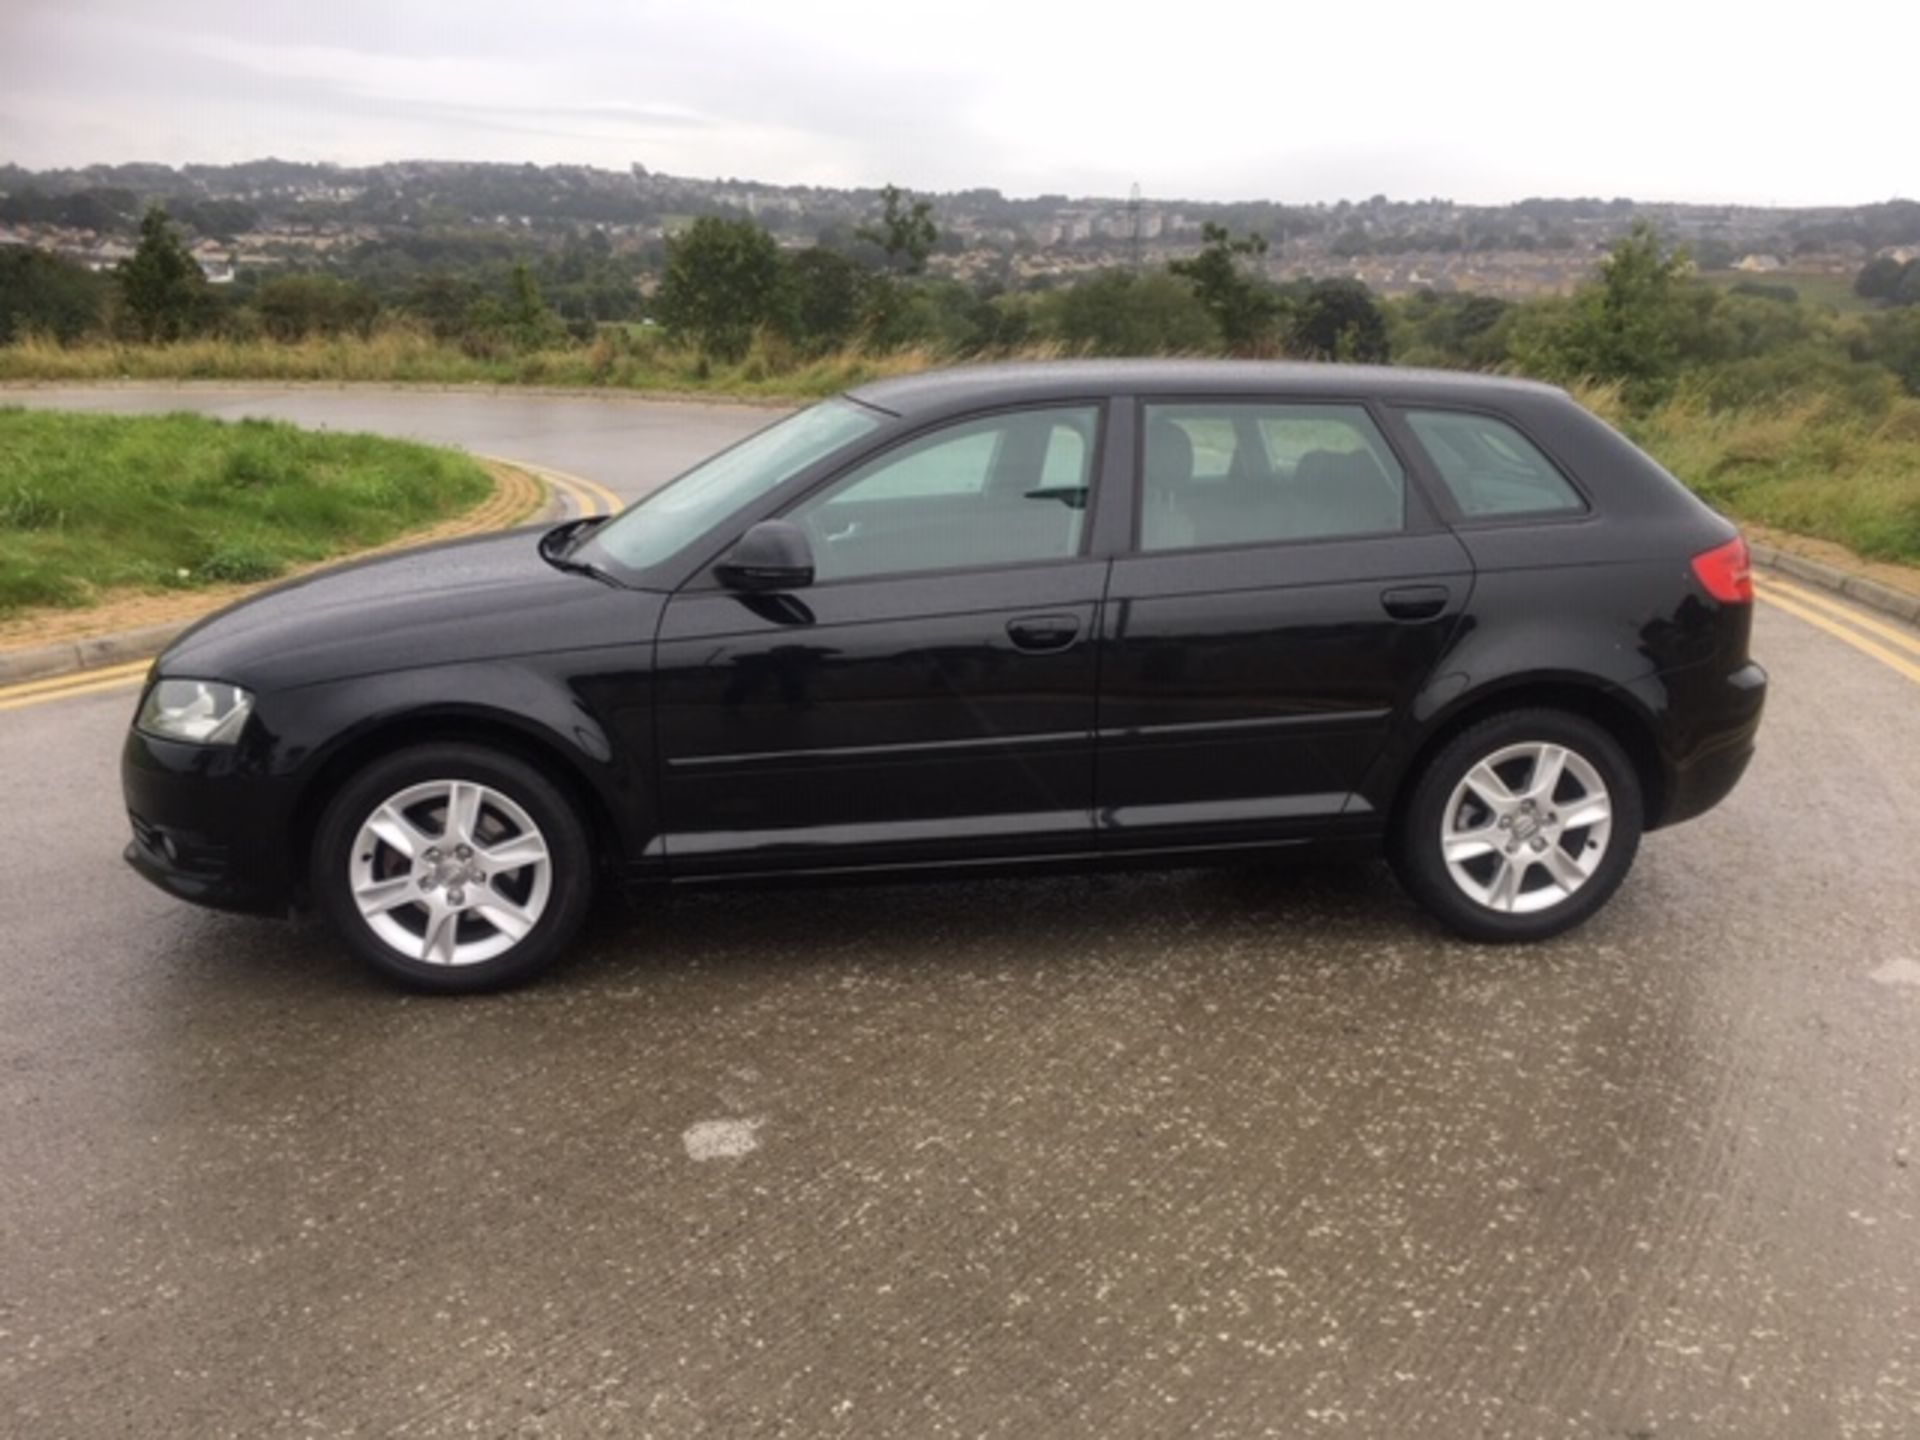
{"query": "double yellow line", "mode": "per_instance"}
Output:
(83, 682)
(1888, 644)
(586, 497)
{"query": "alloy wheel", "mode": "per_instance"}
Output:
(1526, 827)
(450, 872)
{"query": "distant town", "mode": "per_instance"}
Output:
(267, 217)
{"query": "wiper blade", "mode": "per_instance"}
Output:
(558, 544)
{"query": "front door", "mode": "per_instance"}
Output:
(1287, 595)
(929, 697)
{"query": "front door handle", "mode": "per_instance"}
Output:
(1043, 632)
(1414, 602)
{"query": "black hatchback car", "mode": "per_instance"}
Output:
(1004, 617)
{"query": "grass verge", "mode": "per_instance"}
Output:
(92, 503)
(616, 361)
(1811, 465)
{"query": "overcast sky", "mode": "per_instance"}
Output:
(1477, 101)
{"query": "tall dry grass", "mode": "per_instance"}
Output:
(1810, 463)
(401, 354)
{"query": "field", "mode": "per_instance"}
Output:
(1833, 291)
(92, 503)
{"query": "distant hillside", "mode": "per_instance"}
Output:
(273, 215)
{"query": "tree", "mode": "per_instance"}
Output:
(824, 299)
(529, 322)
(161, 286)
(1120, 313)
(1878, 278)
(1242, 310)
(293, 307)
(1906, 290)
(1339, 320)
(442, 301)
(1893, 340)
(722, 282)
(1635, 325)
(906, 232)
(41, 294)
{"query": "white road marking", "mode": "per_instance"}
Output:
(722, 1139)
(1898, 972)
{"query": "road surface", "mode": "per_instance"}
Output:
(1230, 1153)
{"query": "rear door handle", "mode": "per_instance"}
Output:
(1043, 632)
(1414, 602)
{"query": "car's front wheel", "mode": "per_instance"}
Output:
(1521, 826)
(453, 867)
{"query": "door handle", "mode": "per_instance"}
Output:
(1043, 632)
(1414, 602)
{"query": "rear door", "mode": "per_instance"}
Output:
(931, 696)
(1288, 592)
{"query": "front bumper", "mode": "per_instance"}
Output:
(205, 827)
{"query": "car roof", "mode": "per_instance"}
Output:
(934, 390)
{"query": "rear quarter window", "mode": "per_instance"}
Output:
(1490, 468)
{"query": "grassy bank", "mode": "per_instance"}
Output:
(91, 503)
(1807, 464)
(619, 360)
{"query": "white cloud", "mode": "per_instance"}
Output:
(1487, 102)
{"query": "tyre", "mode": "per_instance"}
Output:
(453, 868)
(1521, 826)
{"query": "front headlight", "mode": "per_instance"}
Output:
(203, 712)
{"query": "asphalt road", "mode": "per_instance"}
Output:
(1232, 1153)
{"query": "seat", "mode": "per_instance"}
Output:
(1343, 492)
(1165, 520)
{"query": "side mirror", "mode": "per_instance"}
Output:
(773, 555)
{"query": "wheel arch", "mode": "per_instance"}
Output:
(1612, 708)
(493, 730)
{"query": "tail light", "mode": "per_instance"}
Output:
(1726, 573)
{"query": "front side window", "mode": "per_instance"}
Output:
(1490, 468)
(656, 527)
(1004, 489)
(1226, 473)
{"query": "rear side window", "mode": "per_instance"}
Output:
(1249, 473)
(1490, 467)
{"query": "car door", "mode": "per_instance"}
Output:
(930, 696)
(1288, 591)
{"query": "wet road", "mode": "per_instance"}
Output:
(630, 446)
(1246, 1152)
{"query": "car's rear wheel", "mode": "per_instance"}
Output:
(1521, 826)
(453, 868)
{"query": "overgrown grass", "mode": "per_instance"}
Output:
(617, 360)
(1811, 464)
(89, 503)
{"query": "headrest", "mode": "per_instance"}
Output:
(1169, 454)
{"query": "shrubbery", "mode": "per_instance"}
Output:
(1646, 324)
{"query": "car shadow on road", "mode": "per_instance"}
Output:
(1057, 920)
(1289, 916)
(1116, 917)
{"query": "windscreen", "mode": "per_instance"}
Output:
(661, 524)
